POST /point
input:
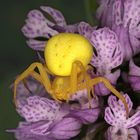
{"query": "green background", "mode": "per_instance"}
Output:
(15, 55)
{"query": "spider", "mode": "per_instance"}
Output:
(67, 58)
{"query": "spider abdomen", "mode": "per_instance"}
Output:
(65, 48)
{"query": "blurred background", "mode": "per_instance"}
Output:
(15, 55)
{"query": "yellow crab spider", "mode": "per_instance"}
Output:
(67, 56)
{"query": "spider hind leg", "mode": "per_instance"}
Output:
(111, 88)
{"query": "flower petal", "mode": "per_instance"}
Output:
(66, 128)
(36, 44)
(124, 39)
(134, 120)
(109, 116)
(39, 108)
(117, 11)
(86, 114)
(131, 12)
(108, 48)
(72, 28)
(32, 88)
(25, 131)
(85, 29)
(115, 114)
(37, 26)
(55, 14)
(133, 69)
(102, 12)
(123, 14)
(101, 89)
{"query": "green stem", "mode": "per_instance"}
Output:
(88, 11)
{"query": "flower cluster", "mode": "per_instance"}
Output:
(116, 42)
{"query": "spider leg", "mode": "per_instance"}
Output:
(39, 78)
(91, 70)
(36, 76)
(26, 85)
(43, 77)
(74, 78)
(109, 86)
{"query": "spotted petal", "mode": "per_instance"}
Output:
(55, 14)
(115, 114)
(37, 26)
(117, 11)
(85, 29)
(38, 108)
(123, 14)
(131, 12)
(36, 44)
(48, 130)
(109, 53)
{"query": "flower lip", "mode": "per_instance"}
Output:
(115, 113)
(121, 127)
(108, 50)
(38, 108)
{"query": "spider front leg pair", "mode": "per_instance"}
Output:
(52, 86)
(42, 77)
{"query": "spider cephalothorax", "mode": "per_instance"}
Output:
(67, 56)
